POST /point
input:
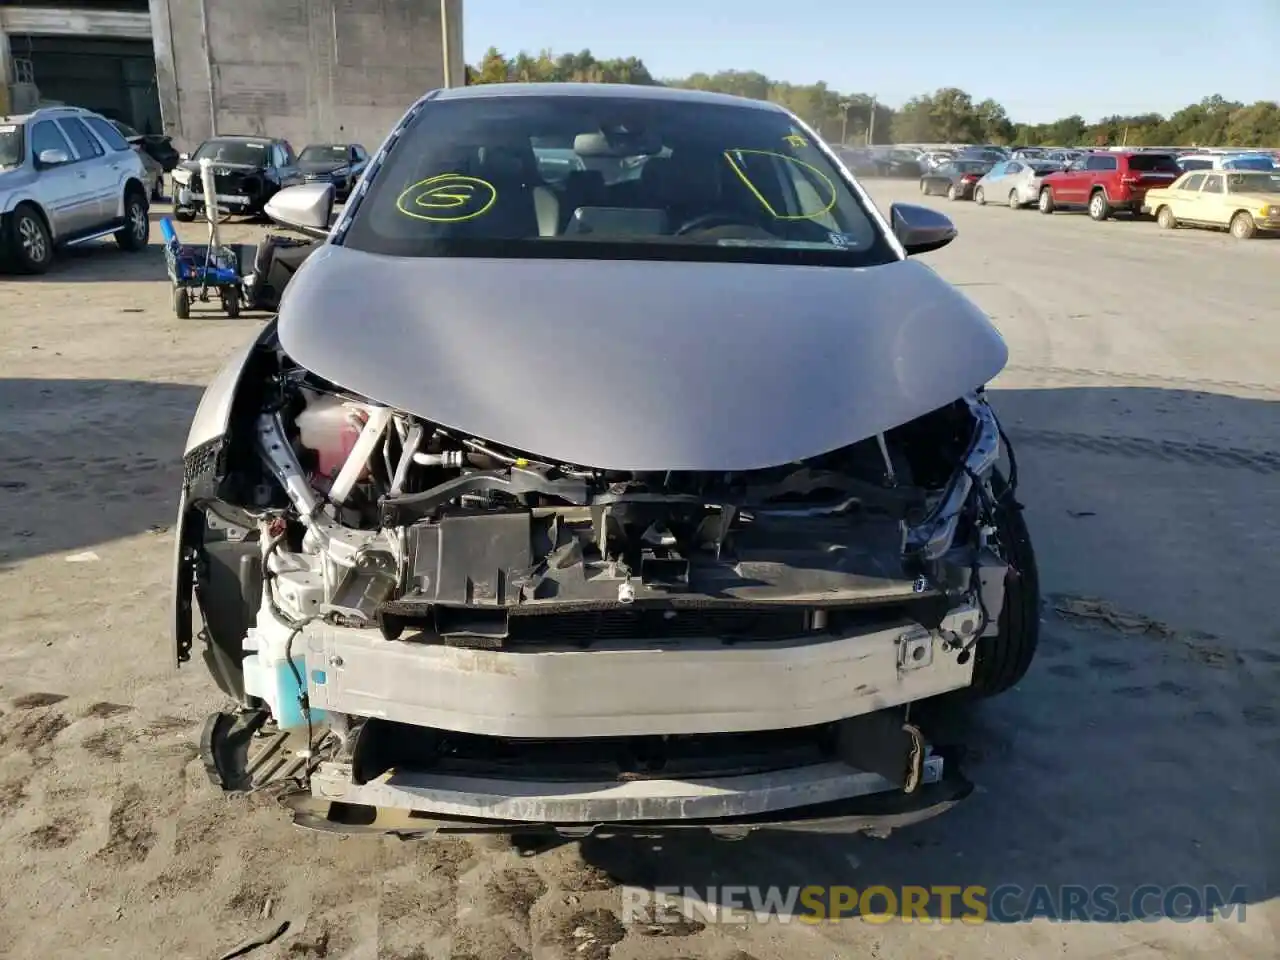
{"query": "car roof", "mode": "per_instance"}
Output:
(485, 91)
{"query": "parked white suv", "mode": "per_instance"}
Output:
(67, 176)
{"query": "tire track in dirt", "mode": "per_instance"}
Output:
(1170, 451)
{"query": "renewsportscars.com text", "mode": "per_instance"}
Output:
(934, 904)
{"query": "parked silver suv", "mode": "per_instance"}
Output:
(67, 176)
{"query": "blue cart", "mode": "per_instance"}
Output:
(197, 269)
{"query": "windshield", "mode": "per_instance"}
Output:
(1154, 163)
(1249, 163)
(973, 166)
(1195, 163)
(11, 145)
(249, 152)
(612, 177)
(1253, 183)
(324, 154)
(1040, 169)
(126, 131)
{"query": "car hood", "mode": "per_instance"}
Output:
(194, 166)
(641, 365)
(321, 166)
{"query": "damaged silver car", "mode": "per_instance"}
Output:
(656, 491)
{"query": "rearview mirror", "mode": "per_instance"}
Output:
(920, 229)
(52, 158)
(307, 208)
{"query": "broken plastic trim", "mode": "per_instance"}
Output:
(931, 538)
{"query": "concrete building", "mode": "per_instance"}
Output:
(306, 70)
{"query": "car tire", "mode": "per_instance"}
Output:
(952, 193)
(1243, 227)
(924, 187)
(980, 197)
(1001, 661)
(231, 304)
(1014, 202)
(1166, 219)
(136, 232)
(181, 303)
(30, 242)
(183, 214)
(1044, 203)
(1099, 208)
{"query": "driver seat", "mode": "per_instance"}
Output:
(686, 184)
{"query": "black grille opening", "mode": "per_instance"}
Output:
(384, 745)
(625, 623)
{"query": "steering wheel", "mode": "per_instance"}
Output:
(709, 220)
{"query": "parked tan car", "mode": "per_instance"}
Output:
(1244, 202)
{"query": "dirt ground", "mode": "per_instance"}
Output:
(1143, 747)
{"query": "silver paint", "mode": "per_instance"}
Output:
(642, 365)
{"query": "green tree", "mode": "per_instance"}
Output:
(947, 115)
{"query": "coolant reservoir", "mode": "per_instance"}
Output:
(330, 426)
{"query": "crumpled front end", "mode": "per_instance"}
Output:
(431, 631)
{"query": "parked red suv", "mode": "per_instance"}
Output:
(1106, 182)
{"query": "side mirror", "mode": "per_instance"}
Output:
(52, 158)
(307, 208)
(921, 229)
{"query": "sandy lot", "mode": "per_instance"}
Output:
(1143, 747)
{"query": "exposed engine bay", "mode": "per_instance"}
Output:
(444, 616)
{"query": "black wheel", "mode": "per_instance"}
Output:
(30, 241)
(183, 214)
(1044, 202)
(181, 303)
(136, 232)
(231, 303)
(1099, 208)
(1001, 661)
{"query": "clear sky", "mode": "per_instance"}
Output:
(1042, 59)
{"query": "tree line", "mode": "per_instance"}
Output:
(948, 115)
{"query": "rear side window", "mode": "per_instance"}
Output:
(1102, 163)
(109, 134)
(46, 136)
(86, 144)
(1154, 163)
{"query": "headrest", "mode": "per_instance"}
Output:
(682, 178)
(505, 163)
(588, 182)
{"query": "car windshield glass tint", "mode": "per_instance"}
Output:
(612, 176)
(1154, 163)
(233, 151)
(974, 166)
(1249, 163)
(325, 153)
(1253, 183)
(10, 145)
(1040, 169)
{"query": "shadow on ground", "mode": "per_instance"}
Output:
(84, 462)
